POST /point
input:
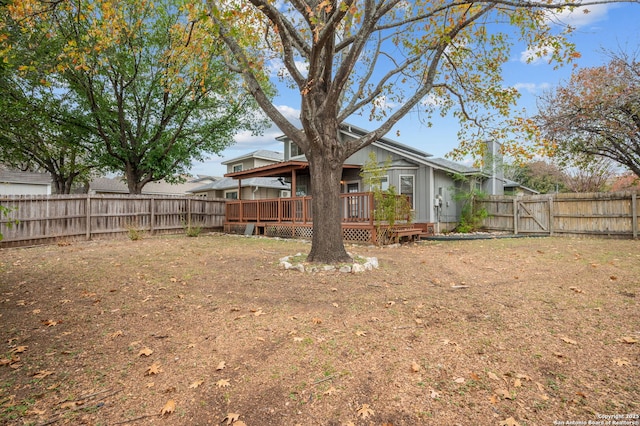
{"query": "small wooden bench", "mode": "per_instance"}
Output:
(411, 234)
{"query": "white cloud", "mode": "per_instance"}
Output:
(536, 55)
(582, 16)
(533, 88)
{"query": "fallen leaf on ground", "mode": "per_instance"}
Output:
(361, 333)
(509, 422)
(330, 391)
(316, 321)
(231, 417)
(223, 383)
(49, 323)
(569, 341)
(19, 349)
(116, 334)
(153, 369)
(145, 352)
(629, 340)
(221, 366)
(196, 384)
(621, 361)
(576, 290)
(68, 405)
(503, 393)
(415, 367)
(434, 394)
(517, 383)
(168, 408)
(298, 339)
(492, 376)
(459, 380)
(335, 305)
(365, 411)
(42, 374)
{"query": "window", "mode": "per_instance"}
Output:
(407, 188)
(237, 167)
(384, 183)
(294, 150)
(231, 195)
(301, 190)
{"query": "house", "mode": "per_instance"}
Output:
(251, 188)
(430, 184)
(14, 182)
(118, 185)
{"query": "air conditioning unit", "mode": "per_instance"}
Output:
(285, 194)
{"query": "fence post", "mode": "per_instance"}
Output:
(551, 220)
(88, 216)
(515, 216)
(634, 215)
(188, 213)
(152, 218)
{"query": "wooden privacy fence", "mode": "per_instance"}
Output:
(41, 219)
(612, 214)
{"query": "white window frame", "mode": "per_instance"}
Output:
(235, 191)
(233, 167)
(413, 188)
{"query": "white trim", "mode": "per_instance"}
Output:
(233, 167)
(413, 188)
(231, 191)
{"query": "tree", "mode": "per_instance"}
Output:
(152, 87)
(39, 128)
(362, 57)
(545, 177)
(596, 114)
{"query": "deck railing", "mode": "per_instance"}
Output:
(356, 207)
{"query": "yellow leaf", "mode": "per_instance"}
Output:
(509, 422)
(145, 352)
(221, 366)
(196, 384)
(223, 383)
(231, 417)
(365, 411)
(168, 408)
(153, 369)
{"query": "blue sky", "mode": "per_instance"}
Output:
(613, 27)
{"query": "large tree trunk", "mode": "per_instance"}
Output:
(327, 245)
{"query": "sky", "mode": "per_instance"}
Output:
(607, 27)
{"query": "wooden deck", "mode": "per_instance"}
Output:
(293, 218)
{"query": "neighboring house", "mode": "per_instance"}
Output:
(248, 189)
(13, 182)
(426, 181)
(118, 185)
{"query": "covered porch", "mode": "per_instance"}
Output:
(292, 217)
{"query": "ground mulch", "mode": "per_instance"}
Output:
(211, 330)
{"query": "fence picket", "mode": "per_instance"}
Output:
(41, 219)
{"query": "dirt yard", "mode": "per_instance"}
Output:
(210, 330)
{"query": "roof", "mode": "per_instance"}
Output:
(263, 154)
(230, 183)
(32, 178)
(452, 166)
(118, 185)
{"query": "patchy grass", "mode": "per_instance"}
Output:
(465, 332)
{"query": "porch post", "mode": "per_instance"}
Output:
(240, 199)
(294, 190)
